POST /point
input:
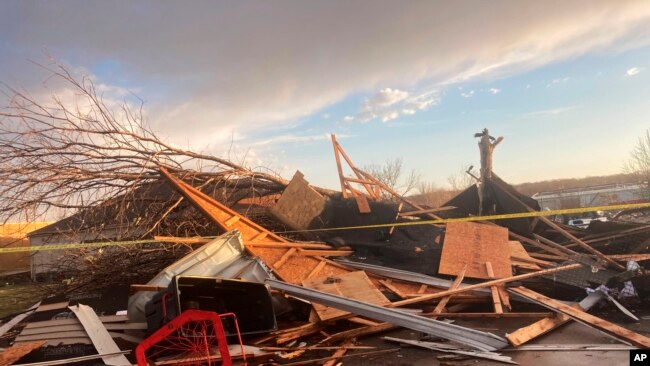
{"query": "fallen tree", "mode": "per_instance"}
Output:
(82, 152)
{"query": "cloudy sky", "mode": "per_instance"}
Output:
(566, 83)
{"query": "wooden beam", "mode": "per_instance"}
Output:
(537, 244)
(339, 167)
(540, 327)
(495, 292)
(314, 272)
(284, 258)
(339, 150)
(362, 321)
(503, 295)
(427, 210)
(485, 284)
(357, 332)
(586, 318)
(443, 302)
(288, 245)
(554, 245)
(388, 284)
(338, 353)
(137, 288)
(326, 253)
(231, 221)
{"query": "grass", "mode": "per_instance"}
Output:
(19, 297)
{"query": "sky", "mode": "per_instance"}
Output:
(264, 83)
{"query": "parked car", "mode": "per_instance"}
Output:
(584, 222)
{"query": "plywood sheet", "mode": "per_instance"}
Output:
(472, 244)
(299, 204)
(353, 285)
(518, 252)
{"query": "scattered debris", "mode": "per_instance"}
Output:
(354, 264)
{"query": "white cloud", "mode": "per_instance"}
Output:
(387, 97)
(388, 104)
(558, 81)
(292, 138)
(389, 116)
(494, 91)
(242, 66)
(468, 94)
(633, 71)
(550, 112)
(348, 119)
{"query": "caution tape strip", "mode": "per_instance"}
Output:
(376, 226)
(37, 248)
(520, 215)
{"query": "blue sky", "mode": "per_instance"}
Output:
(566, 84)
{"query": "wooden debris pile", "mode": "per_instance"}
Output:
(516, 267)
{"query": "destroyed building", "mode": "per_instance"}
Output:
(327, 269)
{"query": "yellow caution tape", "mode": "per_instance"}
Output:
(421, 222)
(486, 217)
(36, 248)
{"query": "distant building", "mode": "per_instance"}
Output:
(609, 194)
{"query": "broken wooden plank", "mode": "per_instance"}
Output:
(338, 353)
(553, 321)
(496, 301)
(587, 319)
(443, 302)
(358, 332)
(362, 321)
(503, 295)
(485, 284)
(473, 244)
(388, 284)
(100, 337)
(543, 326)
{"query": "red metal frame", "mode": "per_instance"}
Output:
(192, 335)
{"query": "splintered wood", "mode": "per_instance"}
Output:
(472, 244)
(353, 285)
